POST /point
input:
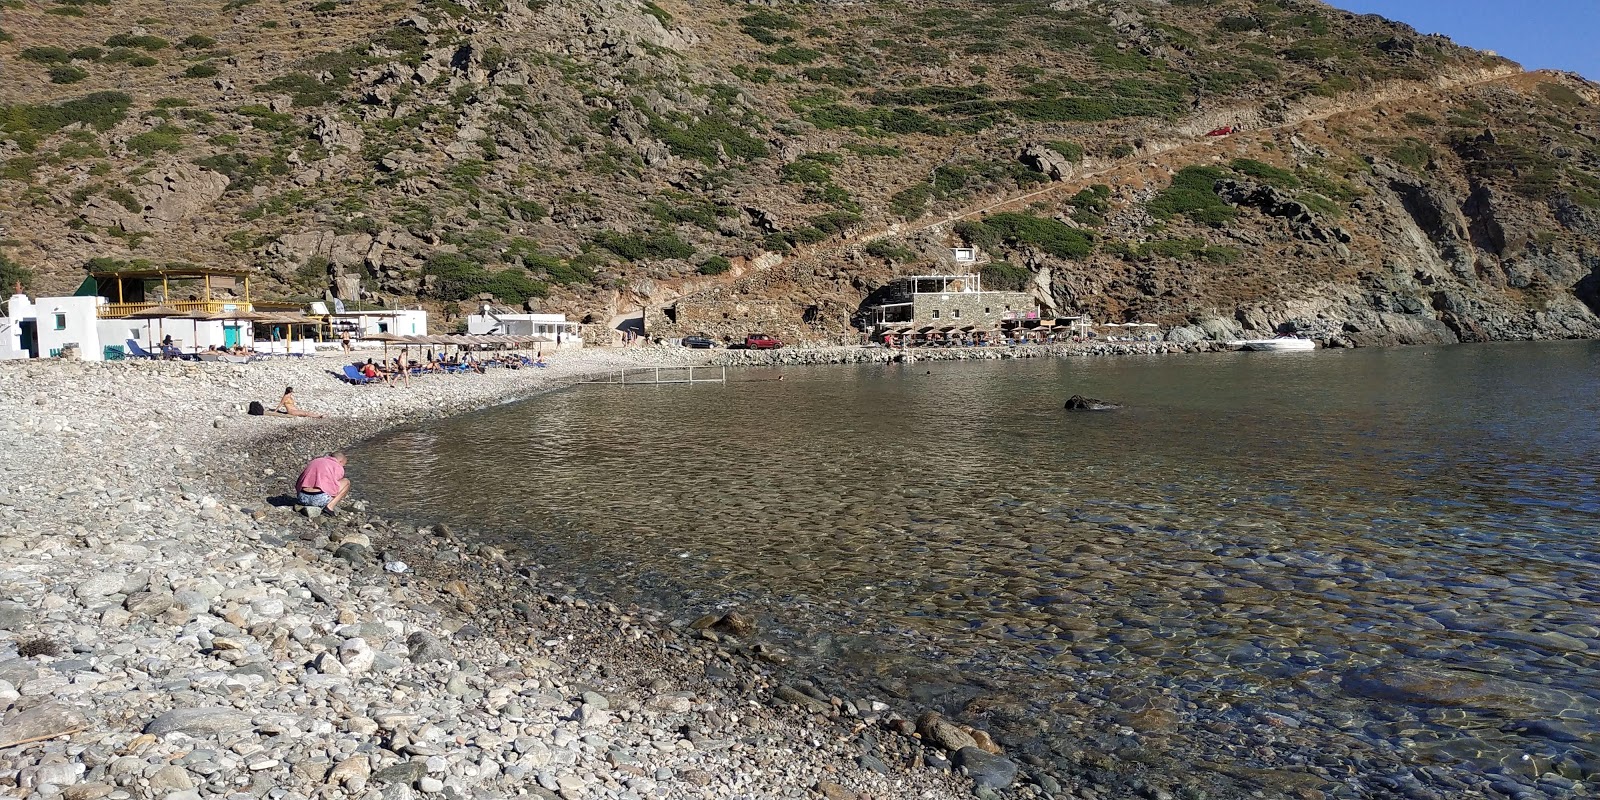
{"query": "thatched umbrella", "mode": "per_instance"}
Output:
(195, 318)
(155, 312)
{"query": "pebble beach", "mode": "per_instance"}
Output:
(171, 628)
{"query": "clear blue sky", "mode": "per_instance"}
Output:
(1538, 34)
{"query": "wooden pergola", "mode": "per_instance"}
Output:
(127, 290)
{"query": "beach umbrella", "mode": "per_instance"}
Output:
(155, 312)
(195, 318)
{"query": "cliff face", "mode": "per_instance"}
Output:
(771, 166)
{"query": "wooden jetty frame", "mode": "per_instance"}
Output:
(651, 376)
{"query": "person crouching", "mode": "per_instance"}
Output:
(322, 484)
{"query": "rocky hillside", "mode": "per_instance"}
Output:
(732, 165)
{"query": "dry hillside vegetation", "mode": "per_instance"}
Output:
(774, 164)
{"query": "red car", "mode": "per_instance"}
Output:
(761, 341)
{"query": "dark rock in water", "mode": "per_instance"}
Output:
(1078, 402)
(1422, 686)
(736, 623)
(986, 770)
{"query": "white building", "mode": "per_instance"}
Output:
(47, 326)
(358, 324)
(554, 328)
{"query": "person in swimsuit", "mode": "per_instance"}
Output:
(286, 405)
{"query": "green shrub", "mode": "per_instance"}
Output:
(13, 273)
(99, 110)
(1413, 153)
(89, 53)
(790, 55)
(658, 12)
(835, 222)
(265, 119)
(132, 58)
(453, 276)
(638, 247)
(1420, 120)
(1320, 204)
(67, 73)
(699, 138)
(244, 171)
(515, 286)
(303, 89)
(526, 210)
(910, 203)
(805, 170)
(1192, 193)
(124, 198)
(197, 42)
(887, 250)
(19, 168)
(45, 55)
(1238, 24)
(1010, 228)
(142, 42)
(204, 69)
(313, 274)
(163, 137)
(1265, 172)
(66, 11)
(715, 265)
(1005, 277)
(764, 24)
(1090, 205)
(1072, 151)
(324, 7)
(1185, 250)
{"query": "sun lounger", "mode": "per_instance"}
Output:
(354, 376)
(139, 352)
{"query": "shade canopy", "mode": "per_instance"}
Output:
(156, 312)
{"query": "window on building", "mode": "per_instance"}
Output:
(936, 313)
(958, 313)
(986, 311)
(61, 322)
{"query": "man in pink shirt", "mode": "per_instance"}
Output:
(322, 484)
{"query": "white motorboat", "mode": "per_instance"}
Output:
(1280, 344)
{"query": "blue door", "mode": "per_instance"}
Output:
(230, 335)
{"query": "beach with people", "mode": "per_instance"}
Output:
(170, 627)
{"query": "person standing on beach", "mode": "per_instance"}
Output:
(322, 483)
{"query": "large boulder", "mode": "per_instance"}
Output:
(163, 199)
(1078, 402)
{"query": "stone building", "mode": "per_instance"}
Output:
(948, 301)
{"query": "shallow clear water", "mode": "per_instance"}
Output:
(1385, 555)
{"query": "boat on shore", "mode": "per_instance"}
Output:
(1279, 344)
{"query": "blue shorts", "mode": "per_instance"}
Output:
(318, 500)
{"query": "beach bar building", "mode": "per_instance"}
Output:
(936, 307)
(552, 328)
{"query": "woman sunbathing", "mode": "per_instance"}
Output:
(286, 405)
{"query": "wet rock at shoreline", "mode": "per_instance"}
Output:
(1078, 402)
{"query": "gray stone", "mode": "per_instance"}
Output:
(99, 587)
(42, 720)
(14, 616)
(423, 647)
(792, 696)
(986, 769)
(942, 733)
(171, 778)
(199, 722)
(406, 772)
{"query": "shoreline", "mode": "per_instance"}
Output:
(178, 481)
(156, 531)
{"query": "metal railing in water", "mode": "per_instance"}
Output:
(655, 376)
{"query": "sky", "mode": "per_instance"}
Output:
(1538, 34)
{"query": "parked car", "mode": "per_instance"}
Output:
(761, 341)
(699, 342)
